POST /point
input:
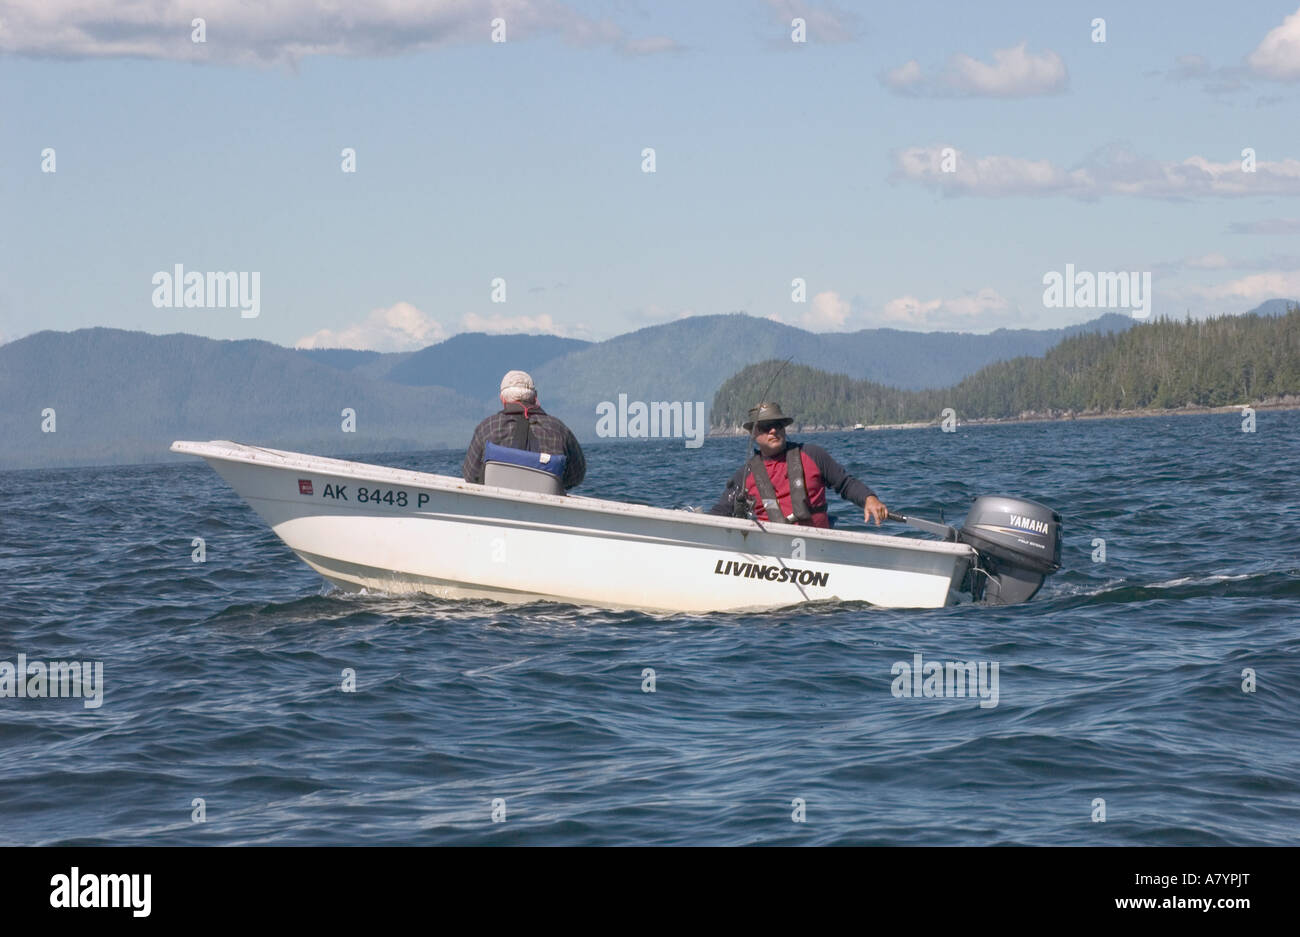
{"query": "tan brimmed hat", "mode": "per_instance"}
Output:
(768, 412)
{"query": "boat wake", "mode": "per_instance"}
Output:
(1259, 584)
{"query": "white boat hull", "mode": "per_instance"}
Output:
(395, 531)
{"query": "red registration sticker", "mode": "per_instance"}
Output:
(304, 486)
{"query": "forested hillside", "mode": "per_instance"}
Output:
(1163, 364)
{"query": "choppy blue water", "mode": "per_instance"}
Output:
(1122, 680)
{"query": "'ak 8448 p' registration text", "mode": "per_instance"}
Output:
(366, 495)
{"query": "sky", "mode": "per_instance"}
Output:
(918, 165)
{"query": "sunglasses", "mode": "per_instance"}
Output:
(764, 428)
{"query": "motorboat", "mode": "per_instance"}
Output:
(370, 527)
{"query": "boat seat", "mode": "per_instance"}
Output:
(539, 472)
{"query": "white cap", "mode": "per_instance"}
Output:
(520, 379)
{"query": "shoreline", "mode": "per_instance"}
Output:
(1289, 402)
(1069, 416)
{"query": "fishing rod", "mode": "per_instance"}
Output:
(762, 398)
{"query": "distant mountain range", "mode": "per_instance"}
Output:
(688, 360)
(124, 396)
(473, 363)
(464, 363)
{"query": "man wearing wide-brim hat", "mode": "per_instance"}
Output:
(785, 482)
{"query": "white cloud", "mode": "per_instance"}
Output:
(239, 32)
(907, 311)
(905, 77)
(1278, 55)
(500, 324)
(826, 313)
(1252, 290)
(984, 310)
(400, 327)
(1015, 73)
(987, 175)
(1112, 171)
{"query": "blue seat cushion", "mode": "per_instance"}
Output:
(554, 464)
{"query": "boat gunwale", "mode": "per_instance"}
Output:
(228, 451)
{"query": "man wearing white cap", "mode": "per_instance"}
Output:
(523, 424)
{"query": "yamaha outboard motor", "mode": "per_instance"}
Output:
(1019, 543)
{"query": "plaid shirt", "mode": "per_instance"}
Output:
(546, 434)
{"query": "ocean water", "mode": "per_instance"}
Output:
(1121, 682)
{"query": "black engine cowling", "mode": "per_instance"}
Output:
(1019, 543)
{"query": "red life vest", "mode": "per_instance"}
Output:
(779, 474)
